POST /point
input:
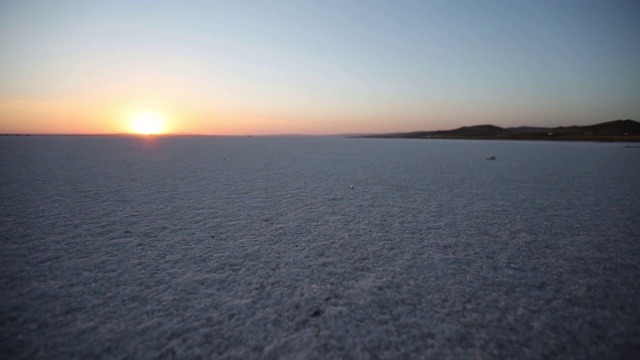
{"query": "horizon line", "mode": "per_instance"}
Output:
(283, 134)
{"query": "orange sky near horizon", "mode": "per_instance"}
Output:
(57, 117)
(50, 117)
(192, 113)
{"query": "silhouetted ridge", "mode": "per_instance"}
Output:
(619, 127)
(617, 130)
(525, 129)
(479, 130)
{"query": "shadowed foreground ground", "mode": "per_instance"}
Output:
(156, 258)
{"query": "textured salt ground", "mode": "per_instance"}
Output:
(259, 248)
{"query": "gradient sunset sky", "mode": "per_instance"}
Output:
(316, 67)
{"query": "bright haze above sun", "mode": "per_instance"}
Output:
(147, 123)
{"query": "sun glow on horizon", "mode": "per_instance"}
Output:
(148, 123)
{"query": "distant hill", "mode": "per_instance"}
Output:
(524, 129)
(617, 130)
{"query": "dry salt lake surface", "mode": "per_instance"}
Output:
(243, 248)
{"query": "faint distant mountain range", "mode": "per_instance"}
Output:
(617, 130)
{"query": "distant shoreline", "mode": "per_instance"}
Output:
(558, 138)
(612, 131)
(622, 139)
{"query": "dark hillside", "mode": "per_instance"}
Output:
(617, 130)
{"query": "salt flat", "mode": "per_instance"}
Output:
(187, 247)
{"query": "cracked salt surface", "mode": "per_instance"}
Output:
(247, 248)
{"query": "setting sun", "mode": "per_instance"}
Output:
(147, 123)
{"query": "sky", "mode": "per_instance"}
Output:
(315, 67)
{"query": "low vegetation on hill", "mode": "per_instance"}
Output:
(617, 130)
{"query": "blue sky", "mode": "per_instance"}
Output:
(319, 66)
